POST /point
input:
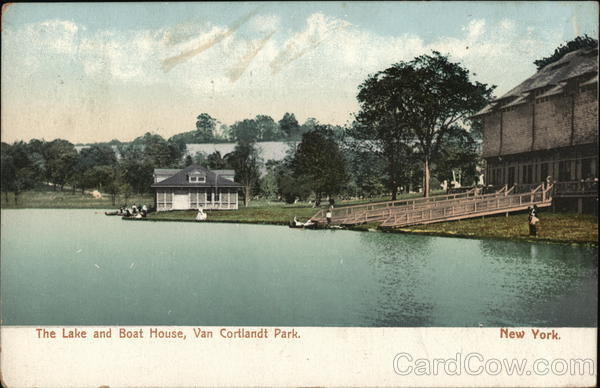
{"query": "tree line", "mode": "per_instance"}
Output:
(413, 130)
(261, 128)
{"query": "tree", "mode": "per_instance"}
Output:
(8, 170)
(215, 161)
(268, 183)
(135, 168)
(245, 131)
(19, 174)
(572, 45)
(367, 172)
(309, 125)
(267, 127)
(289, 127)
(381, 127)
(106, 179)
(126, 191)
(319, 161)
(459, 157)
(61, 159)
(205, 125)
(245, 160)
(95, 155)
(157, 151)
(200, 158)
(427, 98)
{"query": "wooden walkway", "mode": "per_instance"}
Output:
(393, 214)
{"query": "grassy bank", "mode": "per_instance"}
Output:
(553, 227)
(67, 200)
(278, 215)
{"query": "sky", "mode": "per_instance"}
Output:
(90, 72)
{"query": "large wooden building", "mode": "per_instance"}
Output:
(546, 129)
(195, 187)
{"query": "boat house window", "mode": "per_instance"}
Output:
(527, 175)
(564, 170)
(197, 179)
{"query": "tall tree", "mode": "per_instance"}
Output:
(95, 155)
(428, 97)
(245, 131)
(61, 159)
(381, 126)
(8, 170)
(20, 173)
(309, 125)
(320, 161)
(289, 127)
(206, 125)
(267, 127)
(246, 162)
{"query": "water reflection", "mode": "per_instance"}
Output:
(226, 274)
(542, 283)
(399, 275)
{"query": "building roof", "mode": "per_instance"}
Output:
(180, 179)
(572, 65)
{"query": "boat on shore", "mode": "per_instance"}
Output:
(114, 213)
(303, 225)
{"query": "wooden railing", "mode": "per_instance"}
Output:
(353, 211)
(488, 204)
(576, 188)
(383, 214)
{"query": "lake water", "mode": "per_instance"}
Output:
(79, 267)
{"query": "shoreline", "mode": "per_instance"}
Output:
(557, 227)
(361, 228)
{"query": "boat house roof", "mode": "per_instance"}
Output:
(180, 179)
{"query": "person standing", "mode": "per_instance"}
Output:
(533, 220)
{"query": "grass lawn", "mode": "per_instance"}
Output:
(279, 214)
(67, 200)
(554, 227)
(263, 211)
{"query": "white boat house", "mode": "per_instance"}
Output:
(195, 187)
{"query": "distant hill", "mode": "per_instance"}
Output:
(269, 150)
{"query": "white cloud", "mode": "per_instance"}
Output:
(475, 29)
(314, 71)
(265, 23)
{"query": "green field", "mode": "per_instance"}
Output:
(279, 215)
(68, 200)
(553, 227)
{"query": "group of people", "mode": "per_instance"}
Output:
(135, 211)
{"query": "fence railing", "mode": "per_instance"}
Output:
(484, 204)
(345, 212)
(385, 213)
(576, 187)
